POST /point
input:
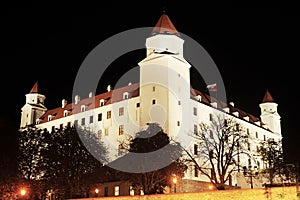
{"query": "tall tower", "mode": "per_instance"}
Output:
(34, 107)
(269, 114)
(164, 79)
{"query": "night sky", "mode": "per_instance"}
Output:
(254, 48)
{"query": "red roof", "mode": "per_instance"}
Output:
(164, 26)
(267, 98)
(35, 88)
(116, 95)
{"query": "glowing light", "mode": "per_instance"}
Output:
(174, 180)
(210, 187)
(22, 192)
(96, 190)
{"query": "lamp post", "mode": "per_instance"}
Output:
(251, 173)
(174, 180)
(96, 192)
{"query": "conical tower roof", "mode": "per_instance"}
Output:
(267, 98)
(35, 88)
(164, 26)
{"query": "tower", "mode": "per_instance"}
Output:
(269, 114)
(34, 107)
(165, 79)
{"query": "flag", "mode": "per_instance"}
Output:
(212, 87)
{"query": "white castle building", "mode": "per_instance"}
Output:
(163, 95)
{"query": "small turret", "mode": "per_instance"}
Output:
(34, 107)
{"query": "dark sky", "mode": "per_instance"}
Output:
(255, 48)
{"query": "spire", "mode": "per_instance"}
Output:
(267, 98)
(35, 88)
(164, 26)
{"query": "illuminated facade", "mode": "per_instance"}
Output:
(163, 95)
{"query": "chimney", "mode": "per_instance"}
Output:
(109, 88)
(198, 98)
(64, 103)
(91, 94)
(231, 103)
(77, 99)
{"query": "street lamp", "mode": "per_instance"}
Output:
(251, 173)
(174, 180)
(96, 192)
(23, 192)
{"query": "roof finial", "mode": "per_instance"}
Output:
(164, 7)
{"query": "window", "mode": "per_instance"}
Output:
(106, 191)
(211, 134)
(83, 121)
(125, 95)
(196, 170)
(65, 113)
(249, 147)
(121, 129)
(100, 117)
(102, 102)
(179, 103)
(195, 149)
(121, 111)
(225, 122)
(153, 89)
(178, 123)
(91, 119)
(108, 115)
(82, 108)
(256, 135)
(264, 137)
(153, 101)
(248, 131)
(195, 111)
(49, 118)
(137, 105)
(76, 122)
(210, 117)
(195, 129)
(106, 131)
(131, 190)
(117, 190)
(249, 162)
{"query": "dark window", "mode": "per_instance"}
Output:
(195, 149)
(195, 129)
(91, 119)
(137, 105)
(100, 117)
(106, 191)
(153, 101)
(256, 135)
(121, 111)
(196, 171)
(83, 121)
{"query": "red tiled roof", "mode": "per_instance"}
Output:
(267, 98)
(164, 26)
(116, 95)
(35, 88)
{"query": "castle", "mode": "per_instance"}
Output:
(163, 95)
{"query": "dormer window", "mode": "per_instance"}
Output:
(66, 113)
(83, 107)
(50, 117)
(125, 95)
(102, 102)
(37, 121)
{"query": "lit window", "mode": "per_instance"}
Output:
(117, 190)
(131, 190)
(91, 119)
(108, 115)
(195, 111)
(121, 111)
(121, 129)
(106, 131)
(100, 117)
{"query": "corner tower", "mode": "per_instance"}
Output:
(164, 79)
(34, 107)
(269, 114)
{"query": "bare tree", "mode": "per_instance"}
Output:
(220, 144)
